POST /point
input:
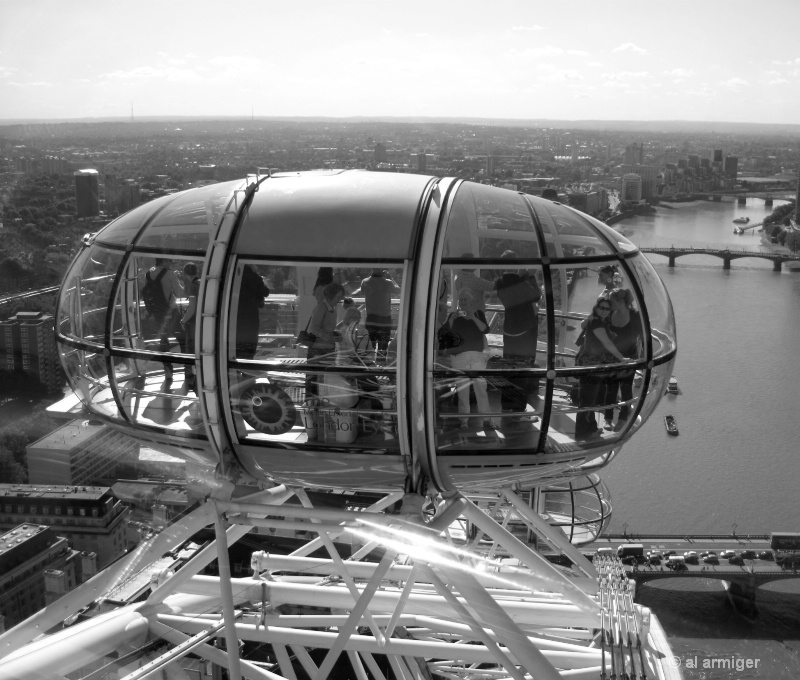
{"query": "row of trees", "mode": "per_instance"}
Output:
(775, 223)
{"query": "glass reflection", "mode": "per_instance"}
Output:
(487, 222)
(658, 305)
(187, 221)
(85, 294)
(354, 409)
(316, 356)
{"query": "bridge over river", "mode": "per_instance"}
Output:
(741, 581)
(726, 255)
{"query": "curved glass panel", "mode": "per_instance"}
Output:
(356, 411)
(186, 223)
(490, 350)
(150, 400)
(335, 388)
(613, 235)
(659, 378)
(134, 327)
(83, 306)
(568, 232)
(658, 305)
(485, 221)
(123, 230)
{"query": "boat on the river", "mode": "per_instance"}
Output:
(671, 425)
(672, 385)
(738, 230)
(741, 220)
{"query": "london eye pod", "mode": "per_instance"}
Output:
(390, 408)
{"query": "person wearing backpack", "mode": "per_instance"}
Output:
(160, 293)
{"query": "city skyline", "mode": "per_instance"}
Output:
(713, 61)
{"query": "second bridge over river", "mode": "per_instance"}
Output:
(726, 255)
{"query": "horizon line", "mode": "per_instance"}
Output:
(490, 121)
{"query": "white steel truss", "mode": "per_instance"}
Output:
(414, 597)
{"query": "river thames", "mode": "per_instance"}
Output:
(737, 460)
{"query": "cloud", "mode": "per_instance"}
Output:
(624, 76)
(535, 27)
(547, 51)
(7, 71)
(551, 73)
(38, 83)
(169, 73)
(629, 47)
(594, 63)
(679, 74)
(735, 83)
(790, 62)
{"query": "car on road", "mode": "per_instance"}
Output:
(725, 554)
(711, 559)
(766, 555)
(690, 557)
(654, 559)
(706, 553)
(737, 560)
(748, 554)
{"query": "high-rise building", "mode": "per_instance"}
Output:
(490, 165)
(649, 178)
(130, 195)
(380, 153)
(89, 517)
(87, 193)
(732, 166)
(79, 452)
(36, 567)
(717, 156)
(634, 154)
(111, 194)
(631, 189)
(422, 162)
(27, 343)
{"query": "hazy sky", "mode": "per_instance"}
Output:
(706, 60)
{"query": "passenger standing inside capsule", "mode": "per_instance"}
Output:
(165, 317)
(605, 277)
(252, 292)
(322, 326)
(470, 327)
(520, 298)
(191, 283)
(467, 278)
(597, 349)
(378, 289)
(627, 336)
(324, 277)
